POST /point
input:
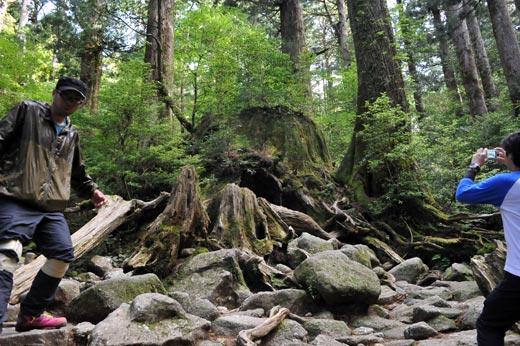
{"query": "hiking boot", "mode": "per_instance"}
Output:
(25, 322)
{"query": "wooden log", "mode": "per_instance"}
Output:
(109, 217)
(301, 222)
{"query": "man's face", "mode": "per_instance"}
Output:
(67, 102)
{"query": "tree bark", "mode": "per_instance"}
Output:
(378, 73)
(276, 316)
(183, 223)
(481, 57)
(292, 29)
(460, 37)
(508, 48)
(24, 18)
(159, 51)
(341, 33)
(444, 51)
(241, 222)
(489, 268)
(109, 218)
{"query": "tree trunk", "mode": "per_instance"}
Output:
(417, 94)
(508, 48)
(460, 37)
(292, 29)
(444, 52)
(183, 223)
(4, 5)
(341, 33)
(484, 68)
(159, 52)
(24, 18)
(378, 73)
(489, 268)
(92, 50)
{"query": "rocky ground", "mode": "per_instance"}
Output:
(332, 297)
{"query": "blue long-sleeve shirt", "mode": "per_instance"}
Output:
(502, 191)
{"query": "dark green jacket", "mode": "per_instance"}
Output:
(37, 166)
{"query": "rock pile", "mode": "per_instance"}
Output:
(334, 296)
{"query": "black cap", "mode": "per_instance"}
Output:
(69, 83)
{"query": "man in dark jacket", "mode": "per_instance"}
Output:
(40, 160)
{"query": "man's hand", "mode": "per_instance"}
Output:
(98, 198)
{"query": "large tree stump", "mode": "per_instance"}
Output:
(111, 216)
(240, 222)
(183, 223)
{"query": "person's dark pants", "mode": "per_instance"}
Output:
(501, 311)
(50, 233)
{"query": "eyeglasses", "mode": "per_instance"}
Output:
(71, 97)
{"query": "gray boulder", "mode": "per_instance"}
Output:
(298, 301)
(95, 303)
(215, 276)
(337, 279)
(299, 249)
(410, 270)
(361, 254)
(153, 320)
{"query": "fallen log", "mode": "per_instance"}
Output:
(109, 217)
(300, 222)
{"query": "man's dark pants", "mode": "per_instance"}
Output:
(501, 311)
(50, 233)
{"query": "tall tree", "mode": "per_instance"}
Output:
(292, 29)
(481, 57)
(91, 16)
(468, 68)
(412, 67)
(448, 70)
(508, 48)
(340, 30)
(378, 74)
(159, 52)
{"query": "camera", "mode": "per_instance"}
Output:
(492, 154)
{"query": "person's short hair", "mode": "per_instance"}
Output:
(511, 144)
(70, 83)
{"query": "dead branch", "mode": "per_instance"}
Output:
(276, 316)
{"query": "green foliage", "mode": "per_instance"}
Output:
(445, 143)
(225, 64)
(337, 116)
(22, 72)
(129, 149)
(389, 154)
(440, 262)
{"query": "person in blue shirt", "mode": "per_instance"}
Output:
(502, 307)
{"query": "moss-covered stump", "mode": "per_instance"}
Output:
(279, 154)
(239, 221)
(183, 223)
